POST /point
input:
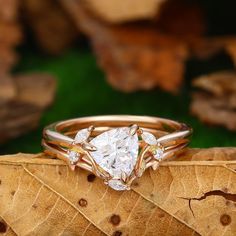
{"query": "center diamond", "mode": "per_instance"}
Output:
(117, 152)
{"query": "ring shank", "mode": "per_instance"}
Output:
(171, 134)
(102, 123)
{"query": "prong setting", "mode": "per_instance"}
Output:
(133, 129)
(149, 146)
(124, 177)
(155, 165)
(89, 147)
(91, 129)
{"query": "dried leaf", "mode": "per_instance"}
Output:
(7, 89)
(215, 103)
(220, 84)
(53, 29)
(8, 10)
(36, 89)
(10, 34)
(205, 48)
(8, 58)
(141, 55)
(21, 109)
(181, 18)
(115, 11)
(42, 196)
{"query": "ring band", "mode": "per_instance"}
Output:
(117, 148)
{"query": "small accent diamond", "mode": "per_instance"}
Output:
(82, 136)
(117, 185)
(149, 138)
(73, 156)
(158, 153)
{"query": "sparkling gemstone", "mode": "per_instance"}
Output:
(149, 138)
(73, 156)
(158, 153)
(82, 136)
(117, 153)
(117, 185)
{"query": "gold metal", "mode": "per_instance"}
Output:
(133, 129)
(88, 147)
(172, 136)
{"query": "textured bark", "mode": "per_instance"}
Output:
(215, 102)
(53, 30)
(195, 194)
(23, 98)
(142, 55)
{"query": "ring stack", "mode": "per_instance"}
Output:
(116, 148)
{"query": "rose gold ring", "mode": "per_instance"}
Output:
(117, 148)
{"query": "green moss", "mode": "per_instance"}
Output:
(82, 90)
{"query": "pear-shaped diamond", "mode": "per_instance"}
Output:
(117, 153)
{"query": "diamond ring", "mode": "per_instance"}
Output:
(117, 148)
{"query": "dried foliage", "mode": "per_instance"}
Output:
(142, 55)
(23, 98)
(192, 195)
(215, 102)
(53, 30)
(205, 48)
(115, 11)
(10, 34)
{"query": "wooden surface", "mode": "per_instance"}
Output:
(194, 194)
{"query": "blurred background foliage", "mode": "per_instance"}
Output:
(83, 91)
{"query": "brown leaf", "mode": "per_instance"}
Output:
(10, 34)
(9, 10)
(215, 103)
(181, 18)
(42, 196)
(7, 89)
(132, 63)
(37, 89)
(8, 58)
(21, 110)
(115, 11)
(220, 84)
(205, 48)
(53, 30)
(134, 56)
